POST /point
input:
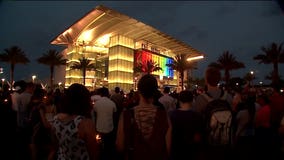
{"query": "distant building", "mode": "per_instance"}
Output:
(116, 43)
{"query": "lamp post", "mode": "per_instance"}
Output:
(3, 80)
(251, 78)
(135, 83)
(33, 78)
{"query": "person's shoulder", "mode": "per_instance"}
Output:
(200, 97)
(111, 102)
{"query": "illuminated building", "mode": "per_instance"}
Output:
(115, 43)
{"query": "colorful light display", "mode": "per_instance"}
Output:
(142, 56)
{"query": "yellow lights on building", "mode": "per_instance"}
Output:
(121, 80)
(86, 36)
(122, 68)
(121, 41)
(122, 57)
(92, 49)
(121, 60)
(103, 40)
(195, 58)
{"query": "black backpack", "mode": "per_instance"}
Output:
(218, 116)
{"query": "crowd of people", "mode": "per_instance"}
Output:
(105, 124)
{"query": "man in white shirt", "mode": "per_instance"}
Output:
(104, 110)
(168, 101)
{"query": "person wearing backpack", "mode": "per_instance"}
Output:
(144, 131)
(215, 106)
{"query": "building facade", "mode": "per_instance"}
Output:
(114, 44)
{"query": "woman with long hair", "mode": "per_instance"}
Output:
(73, 131)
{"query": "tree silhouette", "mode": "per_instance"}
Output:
(52, 58)
(273, 54)
(148, 67)
(227, 62)
(13, 55)
(84, 64)
(180, 64)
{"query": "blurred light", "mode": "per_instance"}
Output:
(34, 77)
(161, 77)
(195, 58)
(104, 40)
(86, 35)
(98, 138)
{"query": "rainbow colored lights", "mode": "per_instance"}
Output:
(142, 56)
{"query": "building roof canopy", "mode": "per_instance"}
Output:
(104, 21)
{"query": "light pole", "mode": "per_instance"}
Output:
(135, 83)
(251, 78)
(33, 78)
(3, 80)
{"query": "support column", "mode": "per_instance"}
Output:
(121, 58)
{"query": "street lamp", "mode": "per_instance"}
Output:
(33, 78)
(135, 83)
(251, 77)
(3, 80)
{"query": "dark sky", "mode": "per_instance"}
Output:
(209, 26)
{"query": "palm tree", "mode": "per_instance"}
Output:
(149, 67)
(227, 62)
(52, 58)
(273, 54)
(13, 55)
(84, 64)
(270, 76)
(180, 64)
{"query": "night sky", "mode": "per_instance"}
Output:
(210, 27)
